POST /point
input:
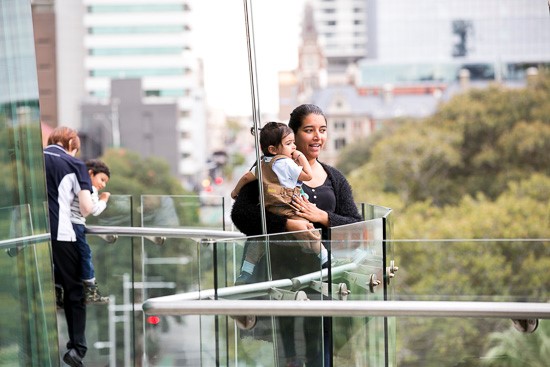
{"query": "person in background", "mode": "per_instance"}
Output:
(330, 203)
(67, 178)
(99, 175)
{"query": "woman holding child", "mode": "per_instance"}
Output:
(329, 202)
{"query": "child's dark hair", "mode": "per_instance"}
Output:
(272, 133)
(97, 166)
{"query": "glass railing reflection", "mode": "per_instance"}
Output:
(111, 330)
(426, 339)
(177, 265)
(286, 267)
(15, 222)
(367, 340)
(24, 260)
(362, 270)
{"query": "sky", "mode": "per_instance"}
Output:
(220, 40)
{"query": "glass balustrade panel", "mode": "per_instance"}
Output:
(178, 265)
(358, 273)
(112, 330)
(285, 267)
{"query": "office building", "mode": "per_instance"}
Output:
(120, 39)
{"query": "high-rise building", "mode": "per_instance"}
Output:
(431, 40)
(126, 121)
(129, 39)
(43, 19)
(342, 29)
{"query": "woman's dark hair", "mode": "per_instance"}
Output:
(300, 113)
(97, 166)
(272, 133)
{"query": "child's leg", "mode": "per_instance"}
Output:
(88, 274)
(91, 290)
(253, 253)
(311, 240)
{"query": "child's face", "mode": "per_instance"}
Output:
(99, 180)
(287, 146)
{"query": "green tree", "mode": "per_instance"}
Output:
(356, 154)
(136, 176)
(478, 169)
(509, 348)
(477, 142)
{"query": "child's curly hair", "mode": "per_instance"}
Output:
(97, 166)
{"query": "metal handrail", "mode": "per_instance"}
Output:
(193, 233)
(256, 289)
(26, 240)
(511, 310)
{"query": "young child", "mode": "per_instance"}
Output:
(99, 175)
(283, 170)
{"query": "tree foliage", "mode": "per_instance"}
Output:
(477, 170)
(477, 142)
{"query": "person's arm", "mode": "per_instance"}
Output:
(346, 210)
(100, 202)
(85, 202)
(301, 160)
(246, 216)
(246, 178)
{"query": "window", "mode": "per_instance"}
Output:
(339, 143)
(137, 29)
(134, 73)
(135, 8)
(136, 51)
(339, 125)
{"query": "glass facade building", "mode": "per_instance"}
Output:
(28, 336)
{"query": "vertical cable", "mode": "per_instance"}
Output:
(248, 19)
(255, 101)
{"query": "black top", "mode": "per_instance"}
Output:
(322, 196)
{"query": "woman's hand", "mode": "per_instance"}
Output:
(309, 211)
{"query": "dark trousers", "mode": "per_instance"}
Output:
(85, 252)
(66, 260)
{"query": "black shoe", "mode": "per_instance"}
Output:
(73, 359)
(243, 278)
(59, 297)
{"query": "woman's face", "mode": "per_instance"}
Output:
(311, 136)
